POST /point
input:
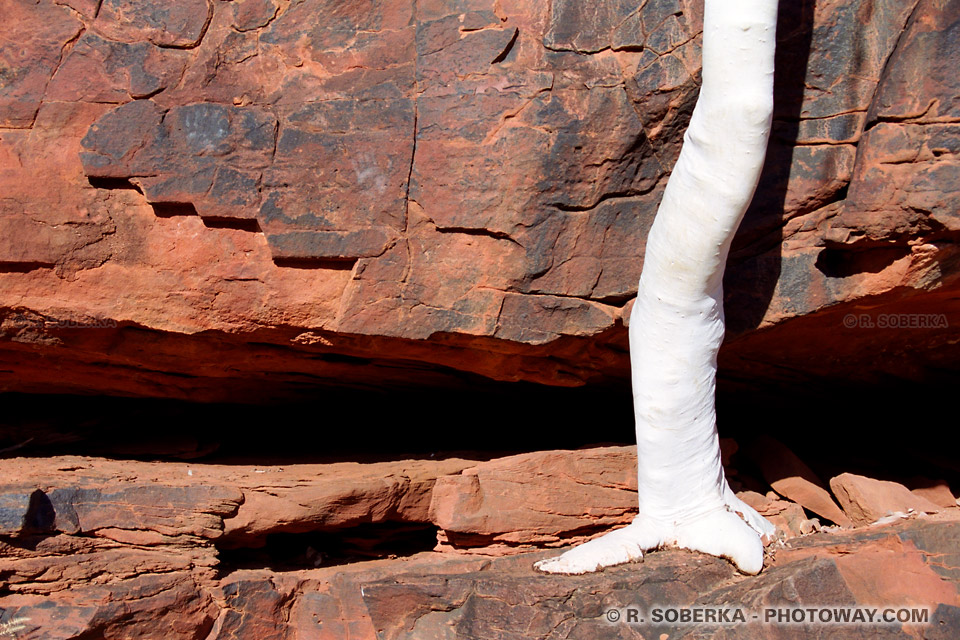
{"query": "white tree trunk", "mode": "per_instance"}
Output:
(676, 326)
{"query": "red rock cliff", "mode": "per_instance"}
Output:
(208, 199)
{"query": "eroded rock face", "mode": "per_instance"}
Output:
(91, 547)
(251, 193)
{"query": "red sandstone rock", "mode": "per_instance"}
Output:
(868, 574)
(464, 188)
(888, 238)
(866, 500)
(888, 203)
(31, 50)
(152, 605)
(793, 479)
(124, 546)
(901, 566)
(147, 503)
(332, 496)
(937, 492)
(149, 562)
(546, 497)
(180, 24)
(812, 496)
(788, 517)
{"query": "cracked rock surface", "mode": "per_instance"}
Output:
(247, 198)
(101, 548)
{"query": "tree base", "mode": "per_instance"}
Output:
(735, 532)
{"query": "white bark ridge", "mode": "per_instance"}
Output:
(676, 325)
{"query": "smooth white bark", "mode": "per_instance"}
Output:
(676, 325)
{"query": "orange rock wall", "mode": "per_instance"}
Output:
(238, 200)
